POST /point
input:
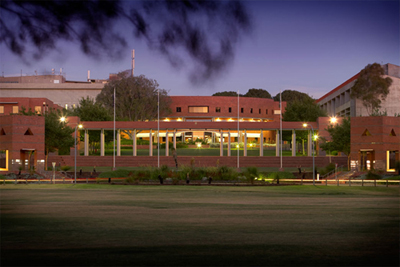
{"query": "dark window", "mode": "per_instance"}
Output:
(217, 110)
(251, 110)
(241, 110)
(230, 110)
(178, 109)
(266, 111)
(259, 111)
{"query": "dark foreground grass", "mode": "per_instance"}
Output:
(104, 225)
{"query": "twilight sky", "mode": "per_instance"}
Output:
(309, 46)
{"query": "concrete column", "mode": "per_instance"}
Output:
(134, 146)
(221, 144)
(102, 142)
(151, 143)
(309, 144)
(278, 143)
(118, 142)
(294, 143)
(174, 139)
(213, 137)
(229, 143)
(183, 137)
(245, 144)
(261, 143)
(86, 143)
(166, 143)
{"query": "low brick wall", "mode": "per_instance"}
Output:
(131, 161)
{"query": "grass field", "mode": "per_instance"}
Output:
(110, 225)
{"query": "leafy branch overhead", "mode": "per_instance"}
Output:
(371, 88)
(196, 35)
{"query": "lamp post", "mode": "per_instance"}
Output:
(80, 127)
(312, 150)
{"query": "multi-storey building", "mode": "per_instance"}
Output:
(339, 103)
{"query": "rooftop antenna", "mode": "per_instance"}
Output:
(133, 60)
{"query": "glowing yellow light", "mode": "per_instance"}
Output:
(80, 126)
(179, 119)
(333, 120)
(230, 119)
(198, 145)
(304, 124)
(237, 146)
(62, 119)
(166, 119)
(218, 119)
(316, 136)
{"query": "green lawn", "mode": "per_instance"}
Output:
(201, 152)
(110, 225)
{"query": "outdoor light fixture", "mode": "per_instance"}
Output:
(199, 145)
(305, 125)
(62, 119)
(316, 137)
(80, 126)
(333, 120)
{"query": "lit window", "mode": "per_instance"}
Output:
(218, 110)
(178, 109)
(15, 109)
(198, 109)
(38, 109)
(1, 109)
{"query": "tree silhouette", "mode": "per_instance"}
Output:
(198, 36)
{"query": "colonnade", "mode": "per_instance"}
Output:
(174, 135)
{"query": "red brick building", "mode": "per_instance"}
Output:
(13, 105)
(21, 141)
(375, 142)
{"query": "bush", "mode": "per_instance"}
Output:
(251, 173)
(115, 174)
(65, 168)
(371, 175)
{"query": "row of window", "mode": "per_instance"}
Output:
(217, 110)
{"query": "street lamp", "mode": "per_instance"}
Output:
(305, 125)
(80, 127)
(333, 120)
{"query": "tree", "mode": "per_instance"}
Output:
(340, 139)
(136, 98)
(370, 87)
(226, 93)
(259, 93)
(33, 28)
(303, 110)
(89, 110)
(292, 95)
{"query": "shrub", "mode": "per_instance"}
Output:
(251, 173)
(65, 168)
(115, 174)
(371, 175)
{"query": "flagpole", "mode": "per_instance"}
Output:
(238, 148)
(114, 135)
(158, 126)
(280, 118)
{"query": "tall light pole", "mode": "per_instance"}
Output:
(312, 150)
(80, 127)
(158, 129)
(238, 148)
